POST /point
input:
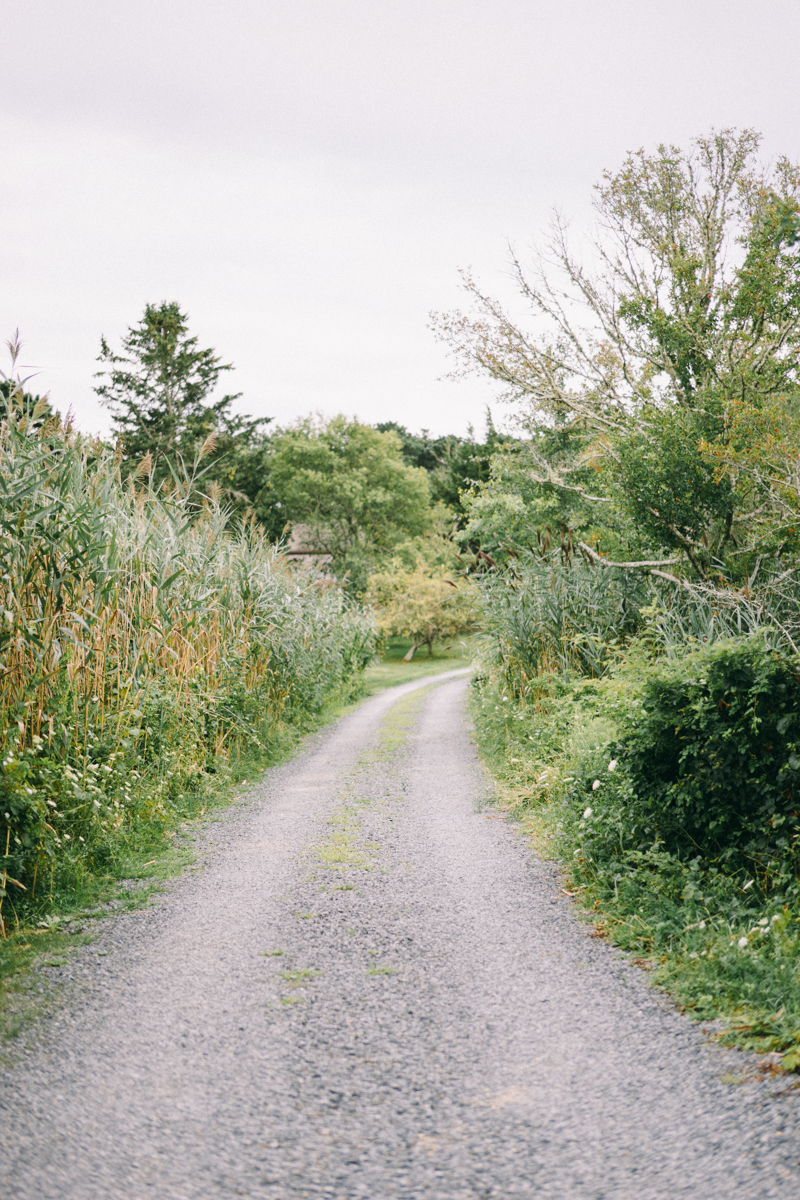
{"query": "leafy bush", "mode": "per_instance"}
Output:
(707, 764)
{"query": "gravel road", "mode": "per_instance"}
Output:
(371, 989)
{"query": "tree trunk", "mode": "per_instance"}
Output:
(408, 657)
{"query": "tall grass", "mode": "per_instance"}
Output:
(142, 643)
(649, 737)
(542, 617)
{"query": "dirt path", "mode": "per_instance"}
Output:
(437, 1024)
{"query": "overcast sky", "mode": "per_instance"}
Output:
(305, 177)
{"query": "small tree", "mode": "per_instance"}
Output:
(422, 603)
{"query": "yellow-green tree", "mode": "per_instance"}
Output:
(423, 603)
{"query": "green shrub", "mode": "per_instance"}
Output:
(707, 764)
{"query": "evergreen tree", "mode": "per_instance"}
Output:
(158, 392)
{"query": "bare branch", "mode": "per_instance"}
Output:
(647, 564)
(684, 583)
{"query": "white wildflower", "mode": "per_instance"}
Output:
(595, 785)
(742, 942)
(612, 766)
(587, 813)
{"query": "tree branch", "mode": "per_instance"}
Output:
(645, 564)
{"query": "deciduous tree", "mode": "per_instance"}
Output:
(668, 366)
(422, 603)
(454, 464)
(347, 491)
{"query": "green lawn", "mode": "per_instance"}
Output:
(389, 670)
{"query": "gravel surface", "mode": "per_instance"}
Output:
(437, 1023)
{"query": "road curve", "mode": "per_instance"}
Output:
(373, 991)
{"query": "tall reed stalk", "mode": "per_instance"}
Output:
(543, 616)
(141, 643)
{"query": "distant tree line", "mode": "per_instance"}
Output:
(344, 491)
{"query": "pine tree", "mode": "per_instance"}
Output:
(157, 390)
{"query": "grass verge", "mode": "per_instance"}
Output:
(154, 853)
(728, 951)
(389, 670)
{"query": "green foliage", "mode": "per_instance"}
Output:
(518, 507)
(708, 764)
(670, 487)
(347, 492)
(543, 616)
(32, 412)
(143, 646)
(423, 602)
(454, 464)
(709, 932)
(237, 470)
(158, 393)
(660, 392)
(676, 623)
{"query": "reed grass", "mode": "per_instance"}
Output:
(143, 644)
